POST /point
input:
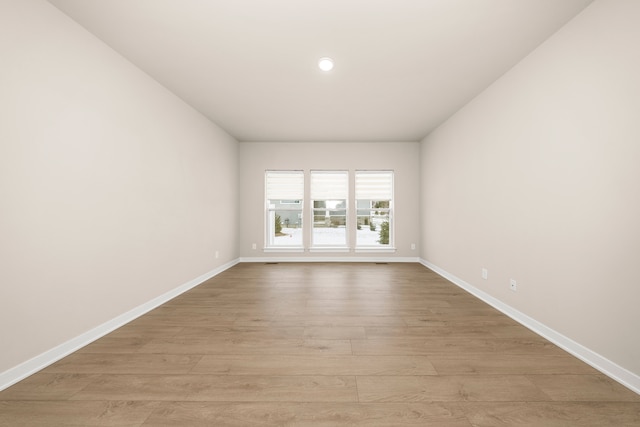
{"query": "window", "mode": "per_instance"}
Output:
(374, 205)
(284, 202)
(326, 203)
(329, 197)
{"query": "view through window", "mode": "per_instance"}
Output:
(285, 201)
(374, 198)
(329, 195)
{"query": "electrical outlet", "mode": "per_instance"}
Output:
(217, 254)
(485, 273)
(413, 246)
(513, 285)
(254, 246)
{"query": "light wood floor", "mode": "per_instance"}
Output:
(322, 345)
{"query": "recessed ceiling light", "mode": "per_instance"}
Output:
(325, 64)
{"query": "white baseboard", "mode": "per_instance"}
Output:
(329, 259)
(31, 366)
(607, 367)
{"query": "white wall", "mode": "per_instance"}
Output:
(112, 190)
(538, 179)
(403, 158)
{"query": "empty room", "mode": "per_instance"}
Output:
(336, 212)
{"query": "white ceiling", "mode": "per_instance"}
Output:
(402, 66)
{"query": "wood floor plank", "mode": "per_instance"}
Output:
(453, 345)
(241, 345)
(511, 388)
(300, 316)
(221, 388)
(206, 414)
(583, 388)
(314, 365)
(110, 363)
(45, 386)
(434, 331)
(335, 332)
(455, 320)
(246, 332)
(552, 414)
(502, 364)
(373, 305)
(75, 413)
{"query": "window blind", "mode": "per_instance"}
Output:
(329, 185)
(374, 185)
(284, 185)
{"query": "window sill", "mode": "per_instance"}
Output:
(376, 250)
(329, 249)
(339, 249)
(283, 249)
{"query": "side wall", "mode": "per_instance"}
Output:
(256, 157)
(537, 180)
(112, 190)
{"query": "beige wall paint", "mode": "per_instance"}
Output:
(112, 190)
(257, 157)
(538, 180)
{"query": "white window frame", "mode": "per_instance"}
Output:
(291, 197)
(366, 192)
(319, 193)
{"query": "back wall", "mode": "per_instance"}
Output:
(402, 157)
